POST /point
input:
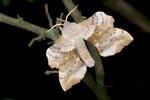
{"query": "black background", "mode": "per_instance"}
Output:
(22, 68)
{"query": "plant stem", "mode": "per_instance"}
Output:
(99, 71)
(99, 91)
(48, 15)
(27, 26)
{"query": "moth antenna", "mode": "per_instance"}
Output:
(54, 27)
(70, 13)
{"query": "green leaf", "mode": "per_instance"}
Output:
(5, 2)
(30, 1)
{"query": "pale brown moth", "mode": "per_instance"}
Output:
(70, 55)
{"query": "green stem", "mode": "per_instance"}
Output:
(27, 26)
(99, 71)
(98, 90)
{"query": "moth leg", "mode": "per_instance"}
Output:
(84, 53)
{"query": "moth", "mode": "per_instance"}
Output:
(70, 55)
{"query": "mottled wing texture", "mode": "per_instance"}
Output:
(66, 55)
(98, 18)
(53, 53)
(71, 68)
(105, 37)
(109, 40)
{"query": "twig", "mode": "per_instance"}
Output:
(129, 12)
(36, 39)
(58, 21)
(61, 15)
(98, 90)
(27, 26)
(50, 24)
(48, 15)
(76, 15)
(56, 31)
(48, 72)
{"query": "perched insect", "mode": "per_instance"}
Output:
(70, 55)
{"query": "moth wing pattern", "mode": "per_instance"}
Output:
(104, 36)
(72, 70)
(54, 52)
(63, 56)
(109, 40)
(98, 18)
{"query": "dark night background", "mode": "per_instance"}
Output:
(22, 68)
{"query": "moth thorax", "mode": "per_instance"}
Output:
(71, 31)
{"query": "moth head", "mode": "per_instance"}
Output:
(70, 30)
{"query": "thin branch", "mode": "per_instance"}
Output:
(56, 31)
(48, 15)
(48, 72)
(27, 26)
(40, 37)
(61, 15)
(59, 20)
(36, 39)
